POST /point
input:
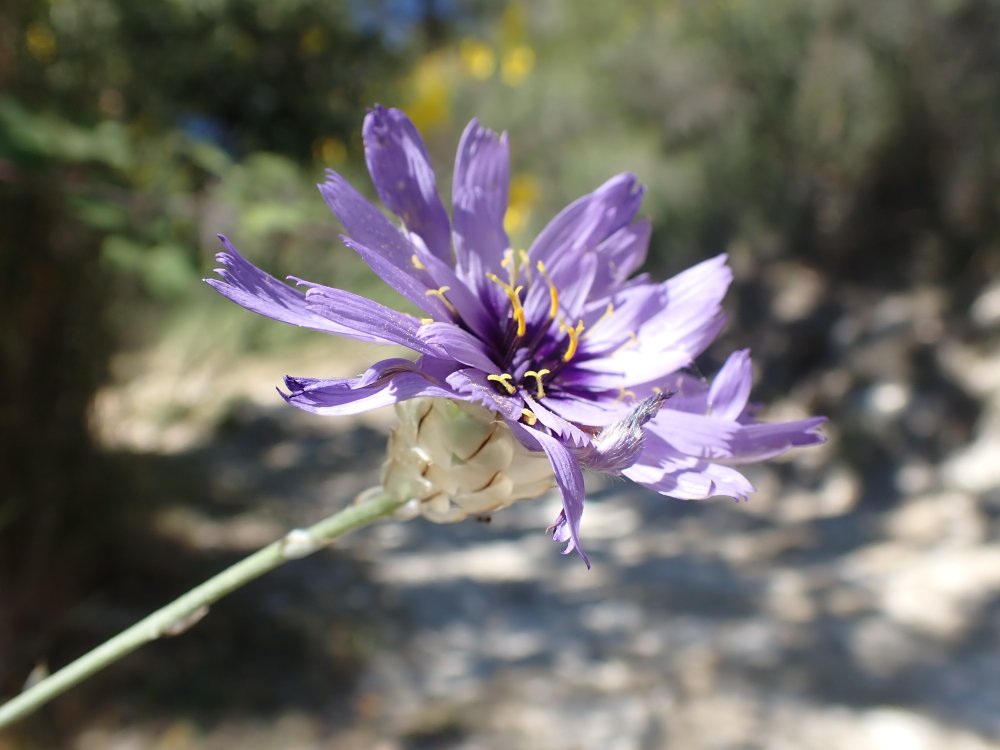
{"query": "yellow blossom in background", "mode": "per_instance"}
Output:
(329, 150)
(477, 59)
(512, 25)
(524, 192)
(430, 92)
(41, 42)
(517, 63)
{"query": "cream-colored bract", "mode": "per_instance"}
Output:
(454, 459)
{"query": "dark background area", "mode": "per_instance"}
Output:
(847, 156)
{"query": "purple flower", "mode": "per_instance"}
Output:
(583, 361)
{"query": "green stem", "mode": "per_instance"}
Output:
(185, 611)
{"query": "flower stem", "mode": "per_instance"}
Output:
(186, 610)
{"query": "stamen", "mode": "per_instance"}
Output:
(625, 392)
(515, 301)
(608, 312)
(416, 263)
(525, 263)
(574, 339)
(439, 293)
(553, 292)
(504, 380)
(426, 321)
(537, 375)
(509, 263)
(529, 417)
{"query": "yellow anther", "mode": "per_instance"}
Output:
(416, 263)
(553, 292)
(657, 390)
(574, 339)
(513, 294)
(529, 417)
(504, 380)
(426, 321)
(608, 312)
(537, 375)
(439, 293)
(624, 393)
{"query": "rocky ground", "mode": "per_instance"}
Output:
(853, 603)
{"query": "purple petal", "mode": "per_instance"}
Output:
(386, 368)
(620, 255)
(691, 479)
(731, 387)
(404, 178)
(364, 223)
(403, 280)
(366, 317)
(692, 434)
(573, 282)
(566, 431)
(630, 308)
(248, 286)
(688, 319)
(569, 478)
(756, 442)
(459, 345)
(586, 222)
(340, 396)
(479, 201)
(595, 411)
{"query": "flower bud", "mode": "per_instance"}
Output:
(457, 459)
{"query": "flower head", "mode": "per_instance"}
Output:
(581, 361)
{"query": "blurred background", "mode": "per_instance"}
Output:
(845, 153)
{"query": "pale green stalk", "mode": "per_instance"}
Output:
(192, 606)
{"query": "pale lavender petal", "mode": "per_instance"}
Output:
(573, 283)
(364, 223)
(613, 320)
(474, 386)
(592, 411)
(459, 345)
(756, 442)
(366, 317)
(688, 320)
(569, 478)
(479, 201)
(631, 367)
(566, 431)
(387, 368)
(248, 286)
(691, 479)
(693, 434)
(339, 397)
(404, 178)
(731, 387)
(582, 225)
(406, 281)
(620, 255)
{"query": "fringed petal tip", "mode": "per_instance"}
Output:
(561, 533)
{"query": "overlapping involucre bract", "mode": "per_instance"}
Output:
(583, 361)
